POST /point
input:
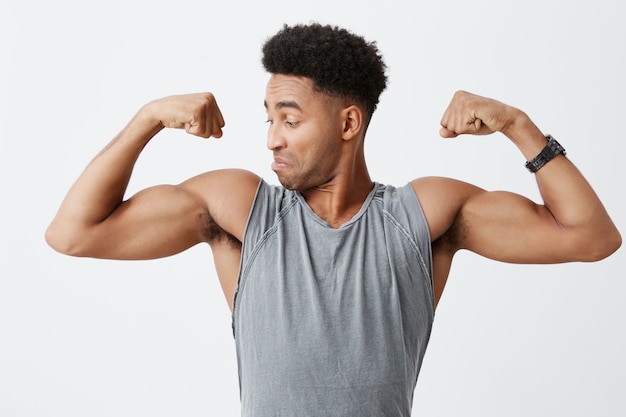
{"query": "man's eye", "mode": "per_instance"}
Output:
(269, 121)
(291, 124)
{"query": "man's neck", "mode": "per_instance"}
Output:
(339, 200)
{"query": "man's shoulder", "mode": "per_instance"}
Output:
(441, 199)
(223, 183)
(227, 194)
(230, 174)
(438, 187)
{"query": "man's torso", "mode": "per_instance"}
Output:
(332, 321)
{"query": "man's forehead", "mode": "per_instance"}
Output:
(289, 91)
(289, 79)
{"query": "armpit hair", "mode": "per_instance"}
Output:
(450, 240)
(216, 235)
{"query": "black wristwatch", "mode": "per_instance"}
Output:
(552, 149)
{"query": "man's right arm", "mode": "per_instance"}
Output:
(94, 219)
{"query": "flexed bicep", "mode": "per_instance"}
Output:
(508, 227)
(156, 222)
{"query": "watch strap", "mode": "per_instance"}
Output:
(552, 149)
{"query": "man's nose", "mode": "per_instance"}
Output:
(275, 140)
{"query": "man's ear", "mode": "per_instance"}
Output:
(352, 119)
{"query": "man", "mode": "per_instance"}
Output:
(332, 279)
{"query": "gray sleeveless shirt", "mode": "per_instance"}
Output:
(332, 322)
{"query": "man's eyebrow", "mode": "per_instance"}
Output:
(282, 104)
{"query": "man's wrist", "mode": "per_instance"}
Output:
(146, 120)
(518, 125)
(524, 134)
(551, 150)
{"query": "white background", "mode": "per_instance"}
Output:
(83, 337)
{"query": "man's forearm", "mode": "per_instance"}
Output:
(565, 191)
(101, 186)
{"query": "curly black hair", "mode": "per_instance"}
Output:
(339, 62)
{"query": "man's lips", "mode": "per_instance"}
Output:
(279, 164)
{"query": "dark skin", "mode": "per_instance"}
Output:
(317, 143)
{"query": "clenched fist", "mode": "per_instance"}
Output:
(197, 113)
(471, 114)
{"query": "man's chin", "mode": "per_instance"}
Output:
(289, 184)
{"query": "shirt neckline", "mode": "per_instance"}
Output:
(354, 218)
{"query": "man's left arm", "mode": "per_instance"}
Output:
(571, 225)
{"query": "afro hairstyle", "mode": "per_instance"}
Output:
(340, 63)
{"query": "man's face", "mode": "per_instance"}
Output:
(304, 132)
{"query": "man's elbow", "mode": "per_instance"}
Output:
(613, 243)
(62, 241)
(602, 247)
